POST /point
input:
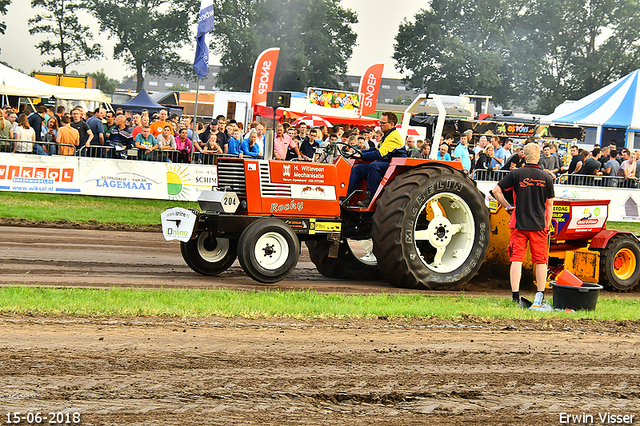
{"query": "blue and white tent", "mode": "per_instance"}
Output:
(614, 109)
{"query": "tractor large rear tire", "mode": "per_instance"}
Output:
(347, 266)
(619, 263)
(430, 229)
(208, 255)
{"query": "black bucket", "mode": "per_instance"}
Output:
(576, 298)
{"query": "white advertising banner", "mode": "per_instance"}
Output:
(36, 173)
(105, 177)
(624, 205)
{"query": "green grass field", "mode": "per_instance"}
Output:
(81, 208)
(293, 304)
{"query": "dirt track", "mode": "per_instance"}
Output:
(167, 371)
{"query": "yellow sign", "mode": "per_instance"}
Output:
(561, 209)
(328, 226)
(324, 226)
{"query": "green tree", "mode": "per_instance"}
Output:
(103, 82)
(459, 47)
(67, 39)
(531, 53)
(571, 54)
(314, 37)
(3, 11)
(147, 33)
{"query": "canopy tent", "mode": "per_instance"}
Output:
(615, 106)
(15, 83)
(143, 101)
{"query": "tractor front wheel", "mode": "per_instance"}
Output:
(268, 250)
(209, 255)
(430, 229)
(619, 263)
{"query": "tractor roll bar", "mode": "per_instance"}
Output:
(442, 113)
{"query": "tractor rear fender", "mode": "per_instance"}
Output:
(399, 165)
(602, 238)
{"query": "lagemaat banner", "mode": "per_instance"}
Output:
(113, 178)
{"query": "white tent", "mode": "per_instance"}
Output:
(15, 83)
(615, 106)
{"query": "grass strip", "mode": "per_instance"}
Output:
(633, 227)
(82, 208)
(293, 304)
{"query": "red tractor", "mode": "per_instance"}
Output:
(427, 225)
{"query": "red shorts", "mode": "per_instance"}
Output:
(538, 244)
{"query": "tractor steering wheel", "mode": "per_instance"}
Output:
(348, 155)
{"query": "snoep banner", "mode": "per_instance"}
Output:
(370, 87)
(263, 72)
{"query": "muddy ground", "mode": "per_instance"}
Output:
(201, 371)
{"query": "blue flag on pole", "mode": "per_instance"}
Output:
(205, 24)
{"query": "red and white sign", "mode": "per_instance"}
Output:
(303, 173)
(263, 72)
(587, 218)
(370, 87)
(415, 131)
(311, 121)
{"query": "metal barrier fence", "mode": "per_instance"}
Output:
(174, 156)
(37, 147)
(566, 179)
(157, 155)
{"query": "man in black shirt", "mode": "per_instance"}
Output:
(533, 194)
(591, 165)
(86, 135)
(35, 121)
(309, 145)
(576, 160)
(213, 128)
(516, 161)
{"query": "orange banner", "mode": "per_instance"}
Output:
(263, 73)
(370, 87)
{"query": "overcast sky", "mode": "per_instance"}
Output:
(377, 27)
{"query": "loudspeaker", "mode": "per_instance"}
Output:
(278, 99)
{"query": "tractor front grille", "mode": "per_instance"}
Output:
(231, 175)
(269, 189)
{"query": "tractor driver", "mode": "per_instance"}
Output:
(391, 145)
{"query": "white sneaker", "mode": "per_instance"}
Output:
(539, 304)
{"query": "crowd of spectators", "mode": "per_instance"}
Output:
(160, 137)
(601, 167)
